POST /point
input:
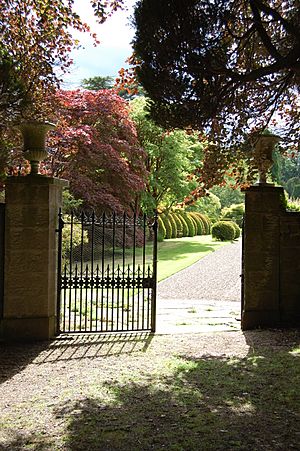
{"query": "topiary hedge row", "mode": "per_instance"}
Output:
(161, 233)
(181, 224)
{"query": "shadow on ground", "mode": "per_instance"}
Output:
(206, 403)
(210, 403)
(14, 357)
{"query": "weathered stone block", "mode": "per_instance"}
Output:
(28, 329)
(30, 257)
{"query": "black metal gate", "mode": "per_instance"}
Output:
(107, 273)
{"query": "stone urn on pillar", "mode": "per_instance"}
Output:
(34, 137)
(263, 150)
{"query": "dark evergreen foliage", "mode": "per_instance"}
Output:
(219, 64)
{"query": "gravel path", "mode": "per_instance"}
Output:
(204, 297)
(214, 277)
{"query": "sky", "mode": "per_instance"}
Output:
(110, 55)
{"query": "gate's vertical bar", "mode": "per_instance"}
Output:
(128, 294)
(59, 266)
(144, 269)
(123, 267)
(76, 278)
(154, 275)
(92, 269)
(118, 296)
(65, 295)
(149, 275)
(70, 269)
(138, 297)
(102, 268)
(97, 295)
(113, 272)
(86, 284)
(133, 269)
(107, 296)
(81, 273)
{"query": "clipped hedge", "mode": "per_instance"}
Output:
(161, 233)
(168, 226)
(237, 230)
(185, 229)
(190, 224)
(173, 224)
(223, 231)
(199, 223)
(206, 223)
(194, 222)
(178, 225)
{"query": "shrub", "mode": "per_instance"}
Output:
(190, 224)
(293, 187)
(199, 223)
(161, 233)
(178, 225)
(236, 229)
(185, 229)
(70, 204)
(293, 205)
(173, 224)
(223, 231)
(235, 212)
(79, 237)
(167, 225)
(194, 222)
(206, 223)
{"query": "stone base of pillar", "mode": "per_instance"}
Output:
(28, 329)
(30, 276)
(255, 319)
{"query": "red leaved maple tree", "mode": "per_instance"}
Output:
(95, 147)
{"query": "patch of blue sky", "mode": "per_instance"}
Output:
(110, 55)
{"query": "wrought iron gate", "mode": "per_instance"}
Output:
(107, 271)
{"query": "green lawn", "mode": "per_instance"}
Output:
(179, 253)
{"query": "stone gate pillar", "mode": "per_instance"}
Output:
(32, 204)
(261, 262)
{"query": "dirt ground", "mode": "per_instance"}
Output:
(190, 391)
(198, 384)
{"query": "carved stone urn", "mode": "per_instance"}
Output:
(263, 150)
(34, 138)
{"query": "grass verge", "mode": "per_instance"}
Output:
(177, 254)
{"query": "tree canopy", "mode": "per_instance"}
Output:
(98, 82)
(36, 41)
(95, 147)
(171, 159)
(225, 66)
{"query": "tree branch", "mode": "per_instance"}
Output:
(288, 26)
(262, 32)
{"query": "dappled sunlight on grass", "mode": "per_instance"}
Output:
(231, 403)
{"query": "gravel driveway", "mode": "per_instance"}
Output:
(216, 277)
(203, 297)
